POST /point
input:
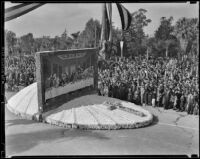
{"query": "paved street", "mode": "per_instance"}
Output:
(171, 133)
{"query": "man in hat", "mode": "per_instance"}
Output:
(166, 97)
(182, 101)
(129, 98)
(178, 94)
(196, 104)
(99, 87)
(154, 98)
(189, 102)
(114, 87)
(162, 95)
(142, 91)
(146, 94)
(110, 89)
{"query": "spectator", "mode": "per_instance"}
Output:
(165, 80)
(142, 91)
(16, 71)
(154, 98)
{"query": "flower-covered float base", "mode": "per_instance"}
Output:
(25, 102)
(105, 116)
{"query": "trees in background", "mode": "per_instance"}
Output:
(167, 43)
(135, 35)
(90, 36)
(46, 44)
(186, 30)
(116, 37)
(27, 43)
(75, 39)
(149, 44)
(10, 42)
(169, 40)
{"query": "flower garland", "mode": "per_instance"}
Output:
(20, 114)
(115, 105)
(97, 117)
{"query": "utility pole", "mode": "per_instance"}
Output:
(122, 43)
(103, 28)
(110, 33)
(110, 17)
(95, 32)
(197, 71)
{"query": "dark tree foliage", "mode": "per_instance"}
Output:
(169, 40)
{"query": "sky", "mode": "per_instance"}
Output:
(52, 19)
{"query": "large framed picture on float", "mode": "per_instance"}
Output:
(63, 73)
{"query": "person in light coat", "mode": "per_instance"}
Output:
(142, 91)
(153, 98)
(189, 103)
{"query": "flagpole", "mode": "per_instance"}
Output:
(110, 15)
(110, 32)
(104, 33)
(122, 43)
(95, 42)
(103, 28)
(197, 71)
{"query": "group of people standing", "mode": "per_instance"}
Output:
(19, 72)
(167, 83)
(160, 82)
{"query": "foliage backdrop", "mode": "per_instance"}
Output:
(168, 40)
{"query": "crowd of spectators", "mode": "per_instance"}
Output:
(160, 82)
(19, 72)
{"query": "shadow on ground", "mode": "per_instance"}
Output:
(19, 122)
(155, 120)
(9, 94)
(89, 98)
(62, 99)
(18, 143)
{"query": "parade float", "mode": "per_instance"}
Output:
(39, 99)
(105, 116)
(120, 115)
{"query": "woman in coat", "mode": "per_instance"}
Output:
(129, 95)
(146, 95)
(189, 103)
(154, 98)
(142, 91)
(164, 100)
